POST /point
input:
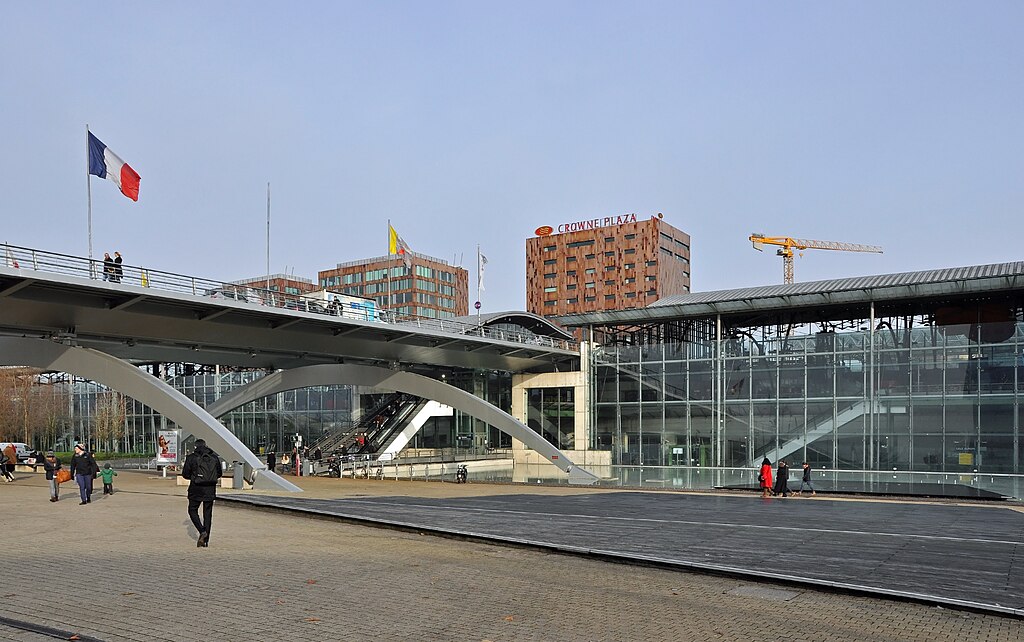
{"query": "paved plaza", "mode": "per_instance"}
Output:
(126, 568)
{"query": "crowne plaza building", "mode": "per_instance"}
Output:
(612, 263)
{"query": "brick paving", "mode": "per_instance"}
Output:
(276, 576)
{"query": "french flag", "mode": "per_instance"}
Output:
(106, 164)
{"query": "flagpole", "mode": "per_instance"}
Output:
(268, 239)
(88, 183)
(391, 302)
(480, 304)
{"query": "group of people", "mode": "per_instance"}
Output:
(781, 484)
(112, 270)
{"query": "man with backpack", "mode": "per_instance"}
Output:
(203, 470)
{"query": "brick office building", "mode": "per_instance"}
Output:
(427, 287)
(611, 263)
(289, 284)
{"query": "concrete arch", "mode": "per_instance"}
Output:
(125, 378)
(398, 381)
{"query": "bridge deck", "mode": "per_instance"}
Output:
(958, 555)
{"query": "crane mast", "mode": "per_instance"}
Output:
(786, 246)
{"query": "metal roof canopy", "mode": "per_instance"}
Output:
(833, 299)
(148, 324)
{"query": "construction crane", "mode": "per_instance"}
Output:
(787, 245)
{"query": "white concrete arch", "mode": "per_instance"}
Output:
(132, 381)
(398, 381)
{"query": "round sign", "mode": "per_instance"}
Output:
(544, 230)
(477, 305)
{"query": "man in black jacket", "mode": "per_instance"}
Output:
(83, 471)
(202, 488)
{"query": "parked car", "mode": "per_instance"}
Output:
(235, 293)
(22, 451)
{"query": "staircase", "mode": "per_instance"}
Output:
(814, 432)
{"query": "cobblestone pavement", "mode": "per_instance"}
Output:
(126, 568)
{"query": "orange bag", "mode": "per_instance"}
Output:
(63, 475)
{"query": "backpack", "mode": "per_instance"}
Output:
(207, 469)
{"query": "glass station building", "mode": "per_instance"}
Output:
(905, 379)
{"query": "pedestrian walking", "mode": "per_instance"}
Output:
(83, 471)
(108, 267)
(765, 477)
(806, 479)
(118, 270)
(51, 464)
(271, 460)
(203, 470)
(782, 479)
(108, 474)
(8, 461)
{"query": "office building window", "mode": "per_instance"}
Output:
(630, 295)
(651, 263)
(570, 273)
(570, 259)
(630, 279)
(590, 270)
(590, 256)
(609, 239)
(629, 266)
(667, 237)
(609, 297)
(609, 253)
(590, 284)
(551, 289)
(550, 261)
(425, 272)
(590, 298)
(650, 277)
(571, 286)
(580, 243)
(549, 275)
(652, 293)
(575, 299)
(630, 237)
(548, 304)
(631, 250)
(609, 268)
(609, 282)
(549, 248)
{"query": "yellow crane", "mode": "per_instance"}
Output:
(787, 245)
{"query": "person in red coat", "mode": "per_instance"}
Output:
(765, 477)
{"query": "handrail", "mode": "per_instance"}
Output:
(24, 258)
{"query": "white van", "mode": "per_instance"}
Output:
(22, 450)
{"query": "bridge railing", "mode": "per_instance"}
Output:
(13, 256)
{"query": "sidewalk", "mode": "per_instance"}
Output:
(274, 576)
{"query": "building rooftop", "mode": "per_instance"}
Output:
(956, 282)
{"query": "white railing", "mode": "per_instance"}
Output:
(24, 258)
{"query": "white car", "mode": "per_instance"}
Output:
(22, 450)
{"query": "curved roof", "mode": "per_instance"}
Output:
(957, 281)
(532, 322)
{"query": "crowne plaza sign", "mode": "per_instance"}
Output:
(590, 224)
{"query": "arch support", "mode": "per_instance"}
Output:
(125, 378)
(398, 381)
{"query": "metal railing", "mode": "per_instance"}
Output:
(23, 258)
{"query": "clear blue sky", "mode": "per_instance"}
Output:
(896, 124)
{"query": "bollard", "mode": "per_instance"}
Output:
(239, 476)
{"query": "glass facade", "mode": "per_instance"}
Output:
(902, 394)
(115, 422)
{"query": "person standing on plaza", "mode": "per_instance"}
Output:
(806, 479)
(203, 470)
(108, 267)
(782, 479)
(271, 460)
(108, 474)
(51, 465)
(765, 477)
(83, 471)
(8, 461)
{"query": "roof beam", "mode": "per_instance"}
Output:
(24, 283)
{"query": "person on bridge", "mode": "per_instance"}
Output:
(118, 270)
(203, 470)
(83, 471)
(108, 267)
(765, 477)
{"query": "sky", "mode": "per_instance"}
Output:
(473, 123)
